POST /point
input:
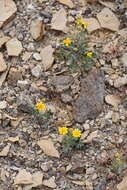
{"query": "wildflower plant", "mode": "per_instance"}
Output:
(118, 163)
(75, 51)
(71, 139)
(41, 112)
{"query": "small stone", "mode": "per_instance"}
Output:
(36, 71)
(91, 137)
(37, 56)
(86, 126)
(66, 98)
(23, 84)
(37, 29)
(121, 81)
(68, 3)
(62, 83)
(108, 20)
(14, 75)
(93, 24)
(50, 183)
(7, 10)
(24, 103)
(5, 150)
(124, 59)
(26, 56)
(3, 65)
(115, 117)
(3, 105)
(47, 57)
(3, 39)
(14, 47)
(115, 63)
(59, 21)
(23, 177)
(113, 100)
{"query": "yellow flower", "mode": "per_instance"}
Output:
(67, 41)
(76, 133)
(63, 130)
(89, 54)
(40, 106)
(82, 22)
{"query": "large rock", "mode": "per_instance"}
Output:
(14, 47)
(90, 101)
(37, 29)
(7, 11)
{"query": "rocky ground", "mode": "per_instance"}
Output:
(96, 103)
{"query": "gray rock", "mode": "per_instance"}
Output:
(62, 83)
(36, 71)
(24, 103)
(66, 97)
(23, 84)
(89, 104)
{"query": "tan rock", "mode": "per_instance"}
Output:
(121, 81)
(3, 65)
(14, 75)
(37, 29)
(48, 147)
(47, 57)
(23, 177)
(50, 183)
(3, 39)
(68, 3)
(113, 100)
(5, 150)
(123, 184)
(92, 136)
(7, 11)
(37, 180)
(59, 21)
(108, 20)
(93, 24)
(13, 139)
(108, 4)
(14, 47)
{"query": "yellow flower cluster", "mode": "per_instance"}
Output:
(67, 41)
(81, 22)
(75, 132)
(40, 106)
(89, 54)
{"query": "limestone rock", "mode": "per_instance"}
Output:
(47, 57)
(3, 65)
(23, 177)
(3, 39)
(59, 21)
(7, 10)
(37, 29)
(93, 24)
(108, 20)
(14, 47)
(48, 147)
(68, 3)
(89, 104)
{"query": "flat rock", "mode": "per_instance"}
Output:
(3, 105)
(7, 10)
(23, 177)
(59, 21)
(3, 65)
(37, 29)
(47, 57)
(62, 83)
(14, 75)
(48, 147)
(24, 103)
(5, 150)
(108, 20)
(14, 47)
(68, 3)
(3, 39)
(89, 104)
(93, 24)
(123, 184)
(50, 183)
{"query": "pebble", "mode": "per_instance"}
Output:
(3, 105)
(37, 56)
(36, 71)
(22, 84)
